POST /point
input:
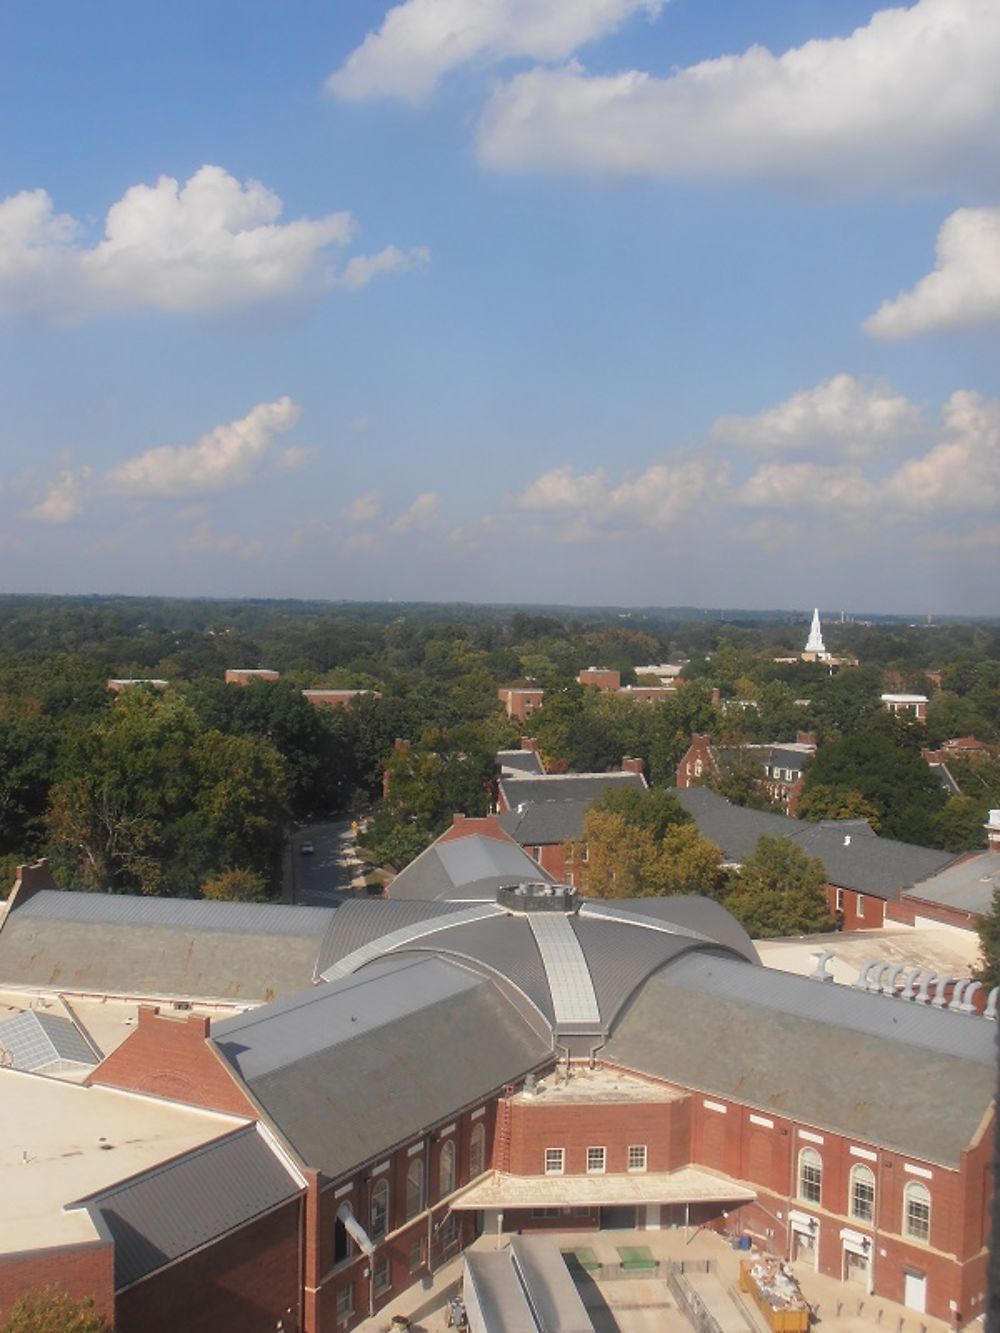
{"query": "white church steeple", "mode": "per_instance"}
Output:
(815, 644)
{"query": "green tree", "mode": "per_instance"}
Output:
(887, 770)
(777, 891)
(235, 886)
(988, 928)
(825, 802)
(52, 1310)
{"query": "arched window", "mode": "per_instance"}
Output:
(414, 1188)
(862, 1200)
(380, 1210)
(446, 1169)
(917, 1211)
(477, 1151)
(810, 1175)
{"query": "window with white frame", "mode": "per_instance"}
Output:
(917, 1211)
(380, 1210)
(861, 904)
(345, 1302)
(840, 900)
(477, 1151)
(810, 1176)
(637, 1157)
(596, 1158)
(555, 1161)
(414, 1188)
(862, 1200)
(381, 1277)
(446, 1169)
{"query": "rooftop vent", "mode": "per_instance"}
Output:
(538, 897)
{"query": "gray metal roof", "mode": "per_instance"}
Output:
(164, 1214)
(526, 1288)
(470, 867)
(854, 857)
(409, 935)
(37, 1041)
(521, 761)
(566, 786)
(354, 1067)
(861, 1065)
(968, 885)
(546, 822)
(573, 997)
(357, 923)
(161, 947)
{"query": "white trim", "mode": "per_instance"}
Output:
(414, 1148)
(382, 1166)
(762, 1120)
(802, 1220)
(282, 1154)
(448, 1129)
(810, 1137)
(476, 1114)
(864, 1153)
(344, 1189)
(920, 1171)
(714, 1106)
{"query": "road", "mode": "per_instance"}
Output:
(325, 878)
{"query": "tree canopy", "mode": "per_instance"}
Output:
(777, 891)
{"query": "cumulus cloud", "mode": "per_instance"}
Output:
(962, 472)
(209, 246)
(227, 456)
(910, 98)
(295, 457)
(806, 485)
(420, 516)
(964, 289)
(364, 508)
(421, 40)
(656, 498)
(205, 540)
(64, 498)
(855, 416)
(359, 271)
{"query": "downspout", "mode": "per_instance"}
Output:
(430, 1208)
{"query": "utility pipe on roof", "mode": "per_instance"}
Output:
(889, 987)
(875, 977)
(968, 998)
(957, 995)
(907, 992)
(929, 979)
(862, 981)
(943, 983)
(991, 1004)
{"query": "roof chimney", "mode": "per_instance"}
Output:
(529, 743)
(633, 764)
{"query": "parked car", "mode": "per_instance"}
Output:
(306, 849)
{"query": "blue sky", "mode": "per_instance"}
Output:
(503, 300)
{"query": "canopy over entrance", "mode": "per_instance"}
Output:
(688, 1185)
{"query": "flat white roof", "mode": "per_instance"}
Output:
(597, 1085)
(688, 1185)
(904, 698)
(60, 1142)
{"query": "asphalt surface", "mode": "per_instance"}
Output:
(325, 878)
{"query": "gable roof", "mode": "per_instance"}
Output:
(565, 787)
(38, 1041)
(184, 1204)
(857, 1064)
(546, 822)
(854, 857)
(514, 762)
(402, 1044)
(968, 885)
(119, 944)
(464, 867)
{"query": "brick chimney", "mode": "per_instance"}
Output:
(529, 743)
(29, 880)
(633, 764)
(716, 696)
(805, 738)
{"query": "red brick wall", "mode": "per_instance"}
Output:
(700, 750)
(170, 1057)
(537, 1125)
(600, 679)
(81, 1270)
(244, 1283)
(909, 907)
(851, 913)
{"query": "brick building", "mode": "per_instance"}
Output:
(530, 1060)
(247, 675)
(913, 706)
(338, 698)
(781, 765)
(521, 701)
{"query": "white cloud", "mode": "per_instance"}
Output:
(420, 516)
(359, 541)
(208, 246)
(807, 485)
(295, 457)
(359, 271)
(364, 508)
(64, 498)
(964, 289)
(421, 40)
(855, 416)
(227, 456)
(910, 98)
(205, 540)
(962, 472)
(657, 498)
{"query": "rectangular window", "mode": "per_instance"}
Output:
(545, 1212)
(345, 1302)
(416, 1254)
(840, 900)
(555, 1161)
(536, 853)
(595, 1161)
(637, 1157)
(861, 904)
(380, 1277)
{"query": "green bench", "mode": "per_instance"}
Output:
(636, 1259)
